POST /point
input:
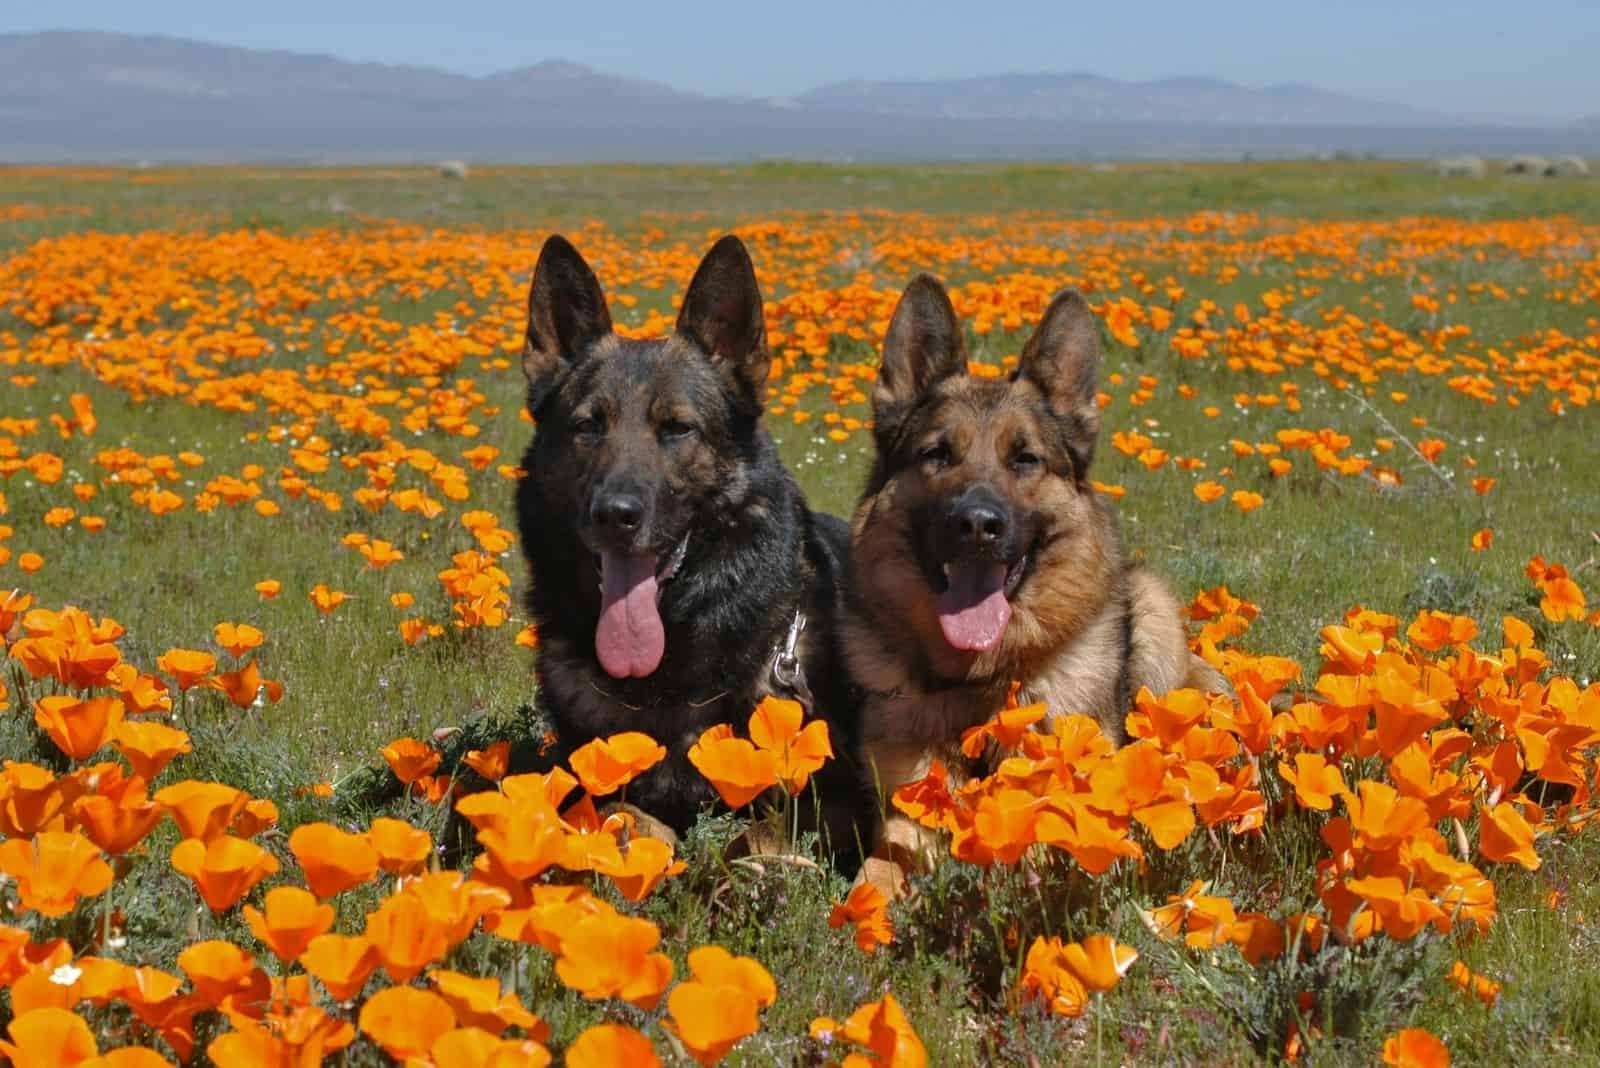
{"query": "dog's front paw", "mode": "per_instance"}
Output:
(887, 875)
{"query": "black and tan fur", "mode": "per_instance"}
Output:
(671, 427)
(1086, 630)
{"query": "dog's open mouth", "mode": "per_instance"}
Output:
(630, 639)
(976, 603)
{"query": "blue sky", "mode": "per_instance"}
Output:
(1468, 57)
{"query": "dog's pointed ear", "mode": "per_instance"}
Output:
(567, 314)
(1062, 359)
(924, 345)
(722, 315)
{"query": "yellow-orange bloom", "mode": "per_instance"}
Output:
(868, 909)
(410, 759)
(49, 1038)
(606, 956)
(611, 1046)
(406, 1021)
(53, 870)
(333, 860)
(1415, 1048)
(291, 919)
(224, 869)
(606, 765)
(78, 727)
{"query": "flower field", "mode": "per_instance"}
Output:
(267, 709)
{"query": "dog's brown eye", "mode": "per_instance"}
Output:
(673, 430)
(588, 427)
(1025, 461)
(937, 454)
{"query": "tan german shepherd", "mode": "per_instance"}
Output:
(981, 554)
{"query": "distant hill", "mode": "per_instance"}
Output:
(67, 95)
(1089, 97)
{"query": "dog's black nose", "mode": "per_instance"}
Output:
(982, 525)
(617, 513)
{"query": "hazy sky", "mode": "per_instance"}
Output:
(1539, 57)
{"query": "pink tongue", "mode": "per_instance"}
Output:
(629, 639)
(974, 611)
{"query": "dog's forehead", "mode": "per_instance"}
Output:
(997, 403)
(642, 373)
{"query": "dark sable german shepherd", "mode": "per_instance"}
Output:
(670, 550)
(981, 554)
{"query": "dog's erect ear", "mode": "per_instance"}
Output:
(566, 315)
(722, 315)
(1062, 359)
(924, 345)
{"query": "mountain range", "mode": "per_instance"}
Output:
(70, 95)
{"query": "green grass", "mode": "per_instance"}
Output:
(1319, 545)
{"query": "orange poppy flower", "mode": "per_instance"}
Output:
(1562, 600)
(304, 1038)
(881, 1028)
(53, 870)
(606, 956)
(492, 763)
(526, 840)
(406, 1021)
(341, 963)
(218, 970)
(410, 759)
(224, 869)
(118, 818)
(1208, 491)
(402, 848)
(31, 799)
(1045, 978)
(149, 747)
(49, 1038)
(1415, 1048)
(333, 860)
(238, 638)
(1471, 983)
(140, 693)
(291, 919)
(1098, 962)
(606, 765)
(243, 686)
(798, 752)
(203, 810)
(1482, 539)
(407, 936)
(1316, 782)
(480, 1003)
(78, 727)
(1504, 835)
(737, 769)
(186, 666)
(644, 864)
(473, 1047)
(720, 1004)
(258, 814)
(1258, 936)
(326, 600)
(710, 1020)
(868, 909)
(611, 1046)
(269, 588)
